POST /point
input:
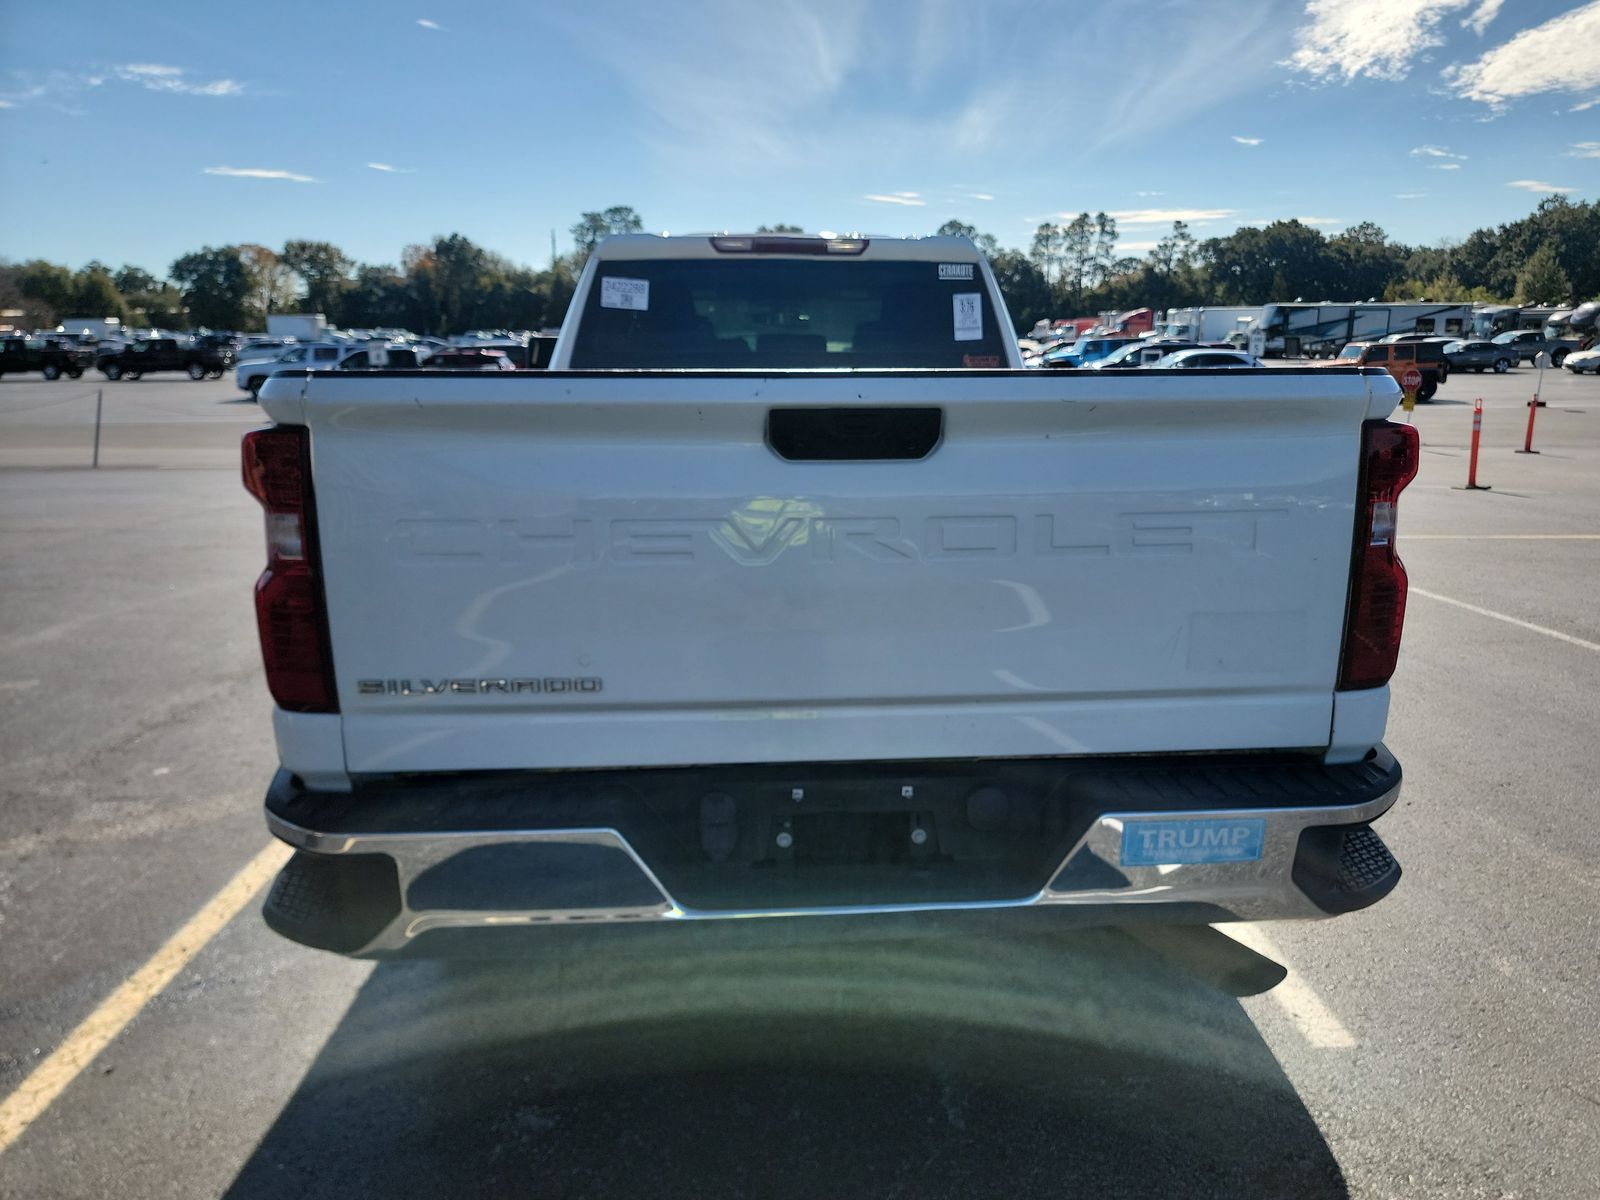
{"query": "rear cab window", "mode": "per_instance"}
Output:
(785, 313)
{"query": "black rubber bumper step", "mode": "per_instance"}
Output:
(1344, 867)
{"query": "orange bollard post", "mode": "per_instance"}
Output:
(1527, 442)
(1472, 462)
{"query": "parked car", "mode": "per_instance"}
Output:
(1528, 344)
(1141, 354)
(1397, 358)
(469, 358)
(251, 376)
(149, 355)
(1085, 351)
(52, 359)
(1581, 361)
(392, 358)
(251, 373)
(264, 347)
(1224, 360)
(1478, 356)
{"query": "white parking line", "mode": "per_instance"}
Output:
(51, 1077)
(1500, 616)
(1313, 1018)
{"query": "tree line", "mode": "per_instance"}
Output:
(1073, 268)
(1551, 256)
(445, 286)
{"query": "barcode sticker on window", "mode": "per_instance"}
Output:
(624, 293)
(969, 316)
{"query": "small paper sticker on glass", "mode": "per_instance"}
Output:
(632, 294)
(969, 316)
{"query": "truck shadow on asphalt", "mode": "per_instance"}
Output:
(796, 1059)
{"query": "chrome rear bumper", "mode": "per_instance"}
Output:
(1259, 859)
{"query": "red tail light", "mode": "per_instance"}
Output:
(290, 610)
(1377, 610)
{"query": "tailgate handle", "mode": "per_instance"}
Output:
(853, 434)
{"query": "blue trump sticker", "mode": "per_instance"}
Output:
(1161, 843)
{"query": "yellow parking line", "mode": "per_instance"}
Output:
(1500, 616)
(1313, 1018)
(50, 1078)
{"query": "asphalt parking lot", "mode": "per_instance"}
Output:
(1444, 1043)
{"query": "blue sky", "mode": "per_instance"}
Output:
(133, 133)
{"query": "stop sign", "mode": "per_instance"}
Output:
(1411, 380)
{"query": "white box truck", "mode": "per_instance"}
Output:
(303, 327)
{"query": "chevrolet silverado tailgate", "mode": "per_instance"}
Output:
(604, 569)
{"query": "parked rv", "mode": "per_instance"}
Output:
(1323, 330)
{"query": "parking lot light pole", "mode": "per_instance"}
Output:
(99, 401)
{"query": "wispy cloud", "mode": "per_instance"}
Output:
(391, 169)
(1538, 185)
(1584, 150)
(1148, 194)
(1380, 39)
(427, 24)
(158, 77)
(258, 173)
(1166, 216)
(1558, 56)
(1247, 141)
(910, 199)
(1445, 166)
(980, 195)
(1409, 195)
(7, 104)
(854, 89)
(1319, 220)
(1435, 152)
(1478, 20)
(1586, 105)
(1135, 247)
(1181, 77)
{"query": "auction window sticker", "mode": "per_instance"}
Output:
(631, 294)
(969, 316)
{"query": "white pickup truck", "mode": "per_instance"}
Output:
(785, 594)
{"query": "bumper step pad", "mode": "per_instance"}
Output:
(1344, 867)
